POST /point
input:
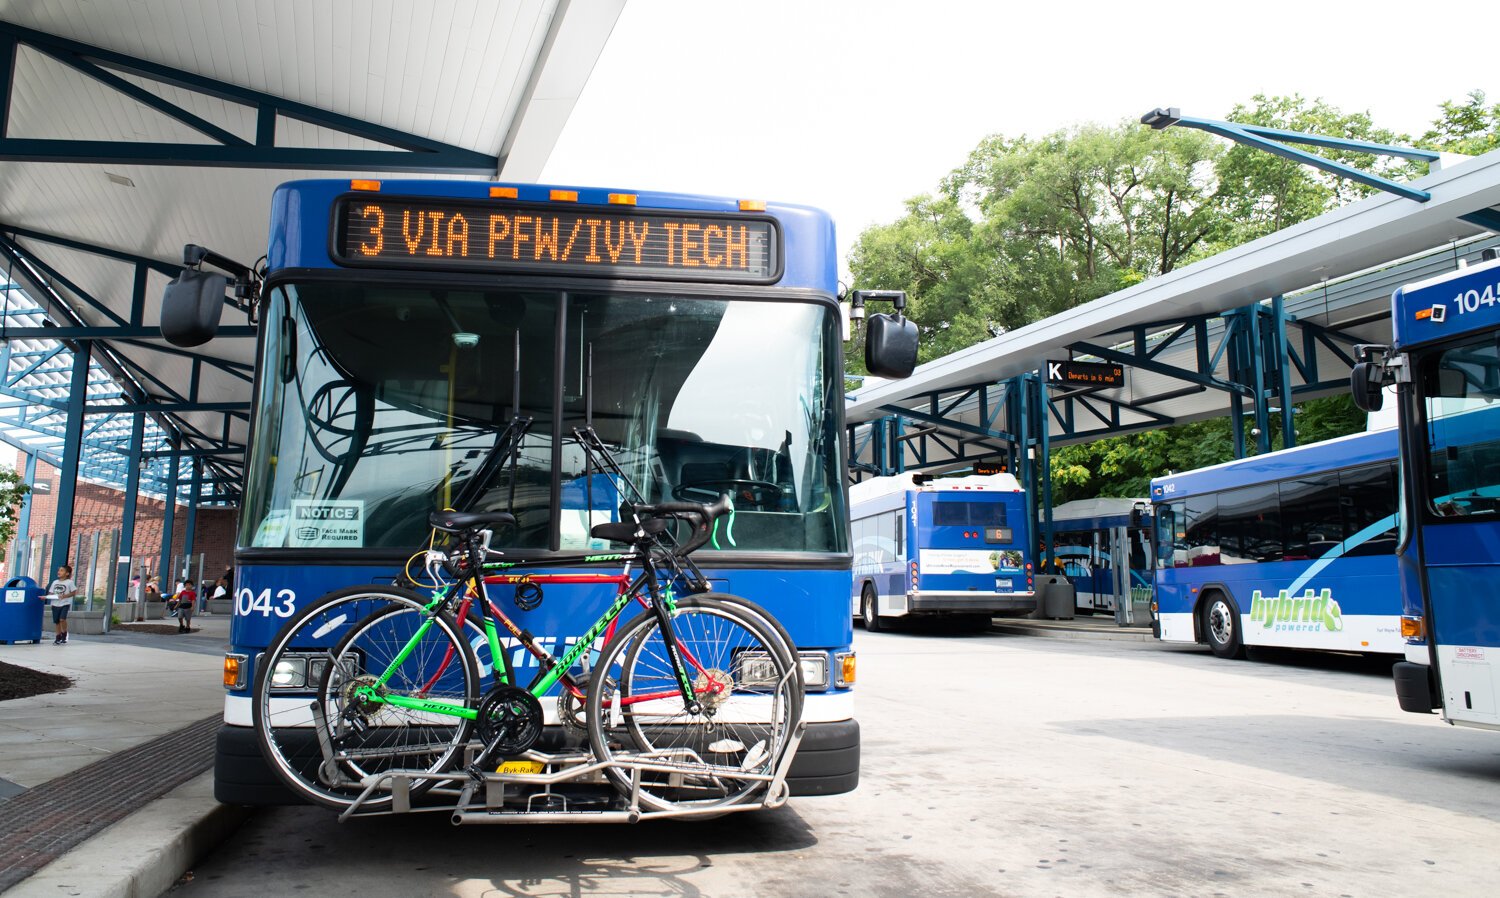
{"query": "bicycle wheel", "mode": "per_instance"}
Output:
(750, 700)
(300, 680)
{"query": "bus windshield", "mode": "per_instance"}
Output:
(1461, 404)
(380, 402)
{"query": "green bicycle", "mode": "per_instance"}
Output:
(690, 706)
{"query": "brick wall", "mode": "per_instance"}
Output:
(100, 509)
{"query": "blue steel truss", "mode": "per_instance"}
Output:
(406, 153)
(36, 387)
(1276, 140)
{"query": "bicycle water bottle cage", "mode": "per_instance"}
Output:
(459, 521)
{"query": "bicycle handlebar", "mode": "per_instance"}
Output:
(699, 515)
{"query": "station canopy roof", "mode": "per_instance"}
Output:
(1335, 272)
(133, 127)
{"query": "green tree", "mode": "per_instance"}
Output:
(1470, 126)
(1027, 228)
(12, 490)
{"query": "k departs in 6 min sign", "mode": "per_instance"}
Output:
(1090, 374)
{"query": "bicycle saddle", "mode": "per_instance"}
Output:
(459, 521)
(624, 531)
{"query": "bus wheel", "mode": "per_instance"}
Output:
(1221, 626)
(869, 610)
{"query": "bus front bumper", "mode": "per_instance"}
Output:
(827, 763)
(1416, 690)
(971, 601)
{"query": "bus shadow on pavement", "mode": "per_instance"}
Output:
(1422, 762)
(651, 858)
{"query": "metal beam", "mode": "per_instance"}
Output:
(1274, 141)
(62, 529)
(411, 153)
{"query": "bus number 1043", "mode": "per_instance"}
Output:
(247, 603)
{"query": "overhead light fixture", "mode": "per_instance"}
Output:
(1160, 117)
(119, 179)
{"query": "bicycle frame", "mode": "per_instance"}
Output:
(553, 669)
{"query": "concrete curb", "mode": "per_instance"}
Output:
(144, 854)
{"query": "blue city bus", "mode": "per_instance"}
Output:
(957, 547)
(1104, 547)
(1293, 549)
(1445, 363)
(404, 325)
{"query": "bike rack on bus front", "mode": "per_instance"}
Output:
(567, 768)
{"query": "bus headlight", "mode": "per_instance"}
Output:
(814, 669)
(1413, 629)
(756, 670)
(298, 671)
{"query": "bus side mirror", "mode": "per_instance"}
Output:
(890, 345)
(191, 306)
(1365, 383)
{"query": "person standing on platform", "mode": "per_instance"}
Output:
(63, 589)
(186, 599)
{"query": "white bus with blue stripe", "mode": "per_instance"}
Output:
(958, 547)
(1292, 549)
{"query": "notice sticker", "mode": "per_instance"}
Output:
(15, 596)
(326, 523)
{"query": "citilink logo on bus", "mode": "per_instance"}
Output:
(1309, 612)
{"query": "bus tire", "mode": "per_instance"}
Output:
(1222, 625)
(869, 610)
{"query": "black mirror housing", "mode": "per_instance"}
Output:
(1365, 384)
(890, 346)
(191, 307)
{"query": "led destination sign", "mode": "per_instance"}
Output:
(582, 240)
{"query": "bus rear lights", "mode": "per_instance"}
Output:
(564, 196)
(504, 193)
(1413, 628)
(843, 669)
(362, 184)
(234, 671)
(622, 199)
(752, 205)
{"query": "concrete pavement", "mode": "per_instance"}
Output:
(129, 690)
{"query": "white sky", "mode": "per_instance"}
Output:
(856, 106)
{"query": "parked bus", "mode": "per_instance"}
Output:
(1294, 549)
(406, 327)
(953, 546)
(1445, 363)
(1104, 548)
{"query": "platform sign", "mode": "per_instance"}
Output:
(1086, 374)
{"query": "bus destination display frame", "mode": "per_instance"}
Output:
(371, 230)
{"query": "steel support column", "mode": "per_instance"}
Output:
(167, 523)
(67, 481)
(1283, 359)
(192, 510)
(132, 491)
(22, 560)
(1044, 446)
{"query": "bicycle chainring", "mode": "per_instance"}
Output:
(510, 720)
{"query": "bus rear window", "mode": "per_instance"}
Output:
(968, 514)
